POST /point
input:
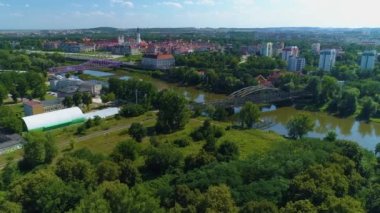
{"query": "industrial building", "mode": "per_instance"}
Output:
(64, 117)
(55, 119)
(69, 86)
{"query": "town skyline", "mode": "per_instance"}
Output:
(41, 14)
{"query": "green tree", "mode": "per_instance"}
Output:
(330, 88)
(219, 199)
(9, 120)
(10, 207)
(137, 131)
(162, 159)
(331, 136)
(345, 204)
(377, 149)
(299, 125)
(127, 150)
(39, 149)
(86, 99)
(304, 206)
(249, 114)
(314, 86)
(173, 114)
(349, 102)
(3, 94)
(373, 199)
(71, 169)
(369, 108)
(68, 101)
(259, 207)
(132, 110)
(42, 191)
(220, 114)
(77, 98)
(118, 198)
(196, 161)
(130, 175)
(108, 171)
(228, 151)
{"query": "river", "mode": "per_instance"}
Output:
(366, 134)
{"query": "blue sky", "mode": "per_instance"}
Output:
(67, 14)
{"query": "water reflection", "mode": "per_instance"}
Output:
(191, 93)
(366, 134)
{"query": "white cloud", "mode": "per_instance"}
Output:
(199, 2)
(205, 2)
(189, 2)
(4, 4)
(124, 3)
(172, 4)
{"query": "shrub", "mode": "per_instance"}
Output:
(182, 142)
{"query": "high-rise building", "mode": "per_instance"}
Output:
(368, 60)
(296, 64)
(138, 36)
(267, 49)
(316, 47)
(288, 52)
(327, 59)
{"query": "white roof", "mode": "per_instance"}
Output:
(104, 113)
(49, 119)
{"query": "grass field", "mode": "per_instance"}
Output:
(102, 139)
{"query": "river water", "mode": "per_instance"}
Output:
(366, 134)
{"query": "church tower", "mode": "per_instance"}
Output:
(138, 39)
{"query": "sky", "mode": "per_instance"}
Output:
(74, 14)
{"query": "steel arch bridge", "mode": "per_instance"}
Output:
(258, 94)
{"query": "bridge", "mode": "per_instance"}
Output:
(258, 94)
(91, 64)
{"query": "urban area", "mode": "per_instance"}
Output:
(190, 120)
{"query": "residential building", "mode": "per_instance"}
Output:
(158, 61)
(368, 60)
(37, 107)
(125, 49)
(296, 64)
(288, 52)
(316, 48)
(267, 50)
(77, 48)
(327, 59)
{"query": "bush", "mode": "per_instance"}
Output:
(137, 131)
(228, 151)
(132, 110)
(182, 142)
(163, 159)
(207, 130)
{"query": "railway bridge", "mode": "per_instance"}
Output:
(91, 64)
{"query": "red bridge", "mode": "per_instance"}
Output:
(92, 64)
